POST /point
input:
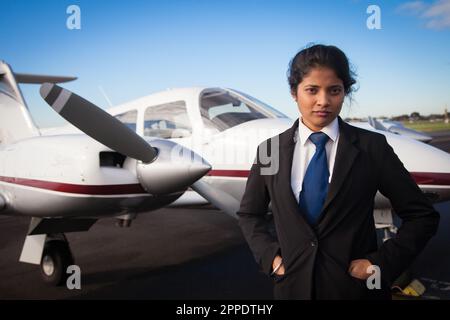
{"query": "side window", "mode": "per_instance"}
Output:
(169, 120)
(128, 118)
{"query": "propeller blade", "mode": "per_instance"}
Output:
(217, 198)
(97, 123)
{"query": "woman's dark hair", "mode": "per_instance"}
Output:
(320, 56)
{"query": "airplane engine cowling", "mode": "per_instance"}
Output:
(174, 169)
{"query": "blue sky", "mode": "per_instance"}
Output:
(134, 48)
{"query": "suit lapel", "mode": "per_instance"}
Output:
(346, 154)
(287, 147)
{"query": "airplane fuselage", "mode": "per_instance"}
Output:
(71, 175)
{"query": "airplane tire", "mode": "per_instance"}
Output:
(55, 260)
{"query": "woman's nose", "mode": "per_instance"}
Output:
(323, 99)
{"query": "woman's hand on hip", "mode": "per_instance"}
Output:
(359, 269)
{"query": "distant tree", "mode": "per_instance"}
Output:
(403, 117)
(436, 117)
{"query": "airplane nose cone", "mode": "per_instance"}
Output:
(198, 170)
(174, 169)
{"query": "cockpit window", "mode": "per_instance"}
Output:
(128, 118)
(169, 120)
(277, 113)
(222, 109)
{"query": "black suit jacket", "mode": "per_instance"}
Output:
(316, 259)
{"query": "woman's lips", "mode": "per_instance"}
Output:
(321, 113)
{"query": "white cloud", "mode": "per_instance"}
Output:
(413, 7)
(436, 14)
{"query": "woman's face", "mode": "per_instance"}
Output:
(319, 97)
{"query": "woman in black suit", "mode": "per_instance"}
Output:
(322, 195)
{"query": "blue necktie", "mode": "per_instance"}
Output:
(315, 182)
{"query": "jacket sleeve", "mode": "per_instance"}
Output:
(253, 219)
(419, 219)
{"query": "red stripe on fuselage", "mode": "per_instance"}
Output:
(229, 173)
(422, 178)
(114, 189)
(441, 179)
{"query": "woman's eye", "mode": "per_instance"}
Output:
(311, 90)
(336, 91)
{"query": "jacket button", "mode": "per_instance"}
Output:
(313, 243)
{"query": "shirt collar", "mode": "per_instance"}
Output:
(331, 130)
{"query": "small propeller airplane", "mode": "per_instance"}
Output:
(190, 145)
(394, 127)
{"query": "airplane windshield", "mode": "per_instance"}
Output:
(221, 109)
(263, 104)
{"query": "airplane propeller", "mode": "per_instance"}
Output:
(167, 168)
(217, 198)
(97, 123)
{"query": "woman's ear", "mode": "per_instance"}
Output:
(294, 95)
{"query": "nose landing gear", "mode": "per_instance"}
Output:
(55, 260)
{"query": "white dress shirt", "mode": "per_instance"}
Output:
(305, 149)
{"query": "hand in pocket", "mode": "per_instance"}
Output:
(278, 266)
